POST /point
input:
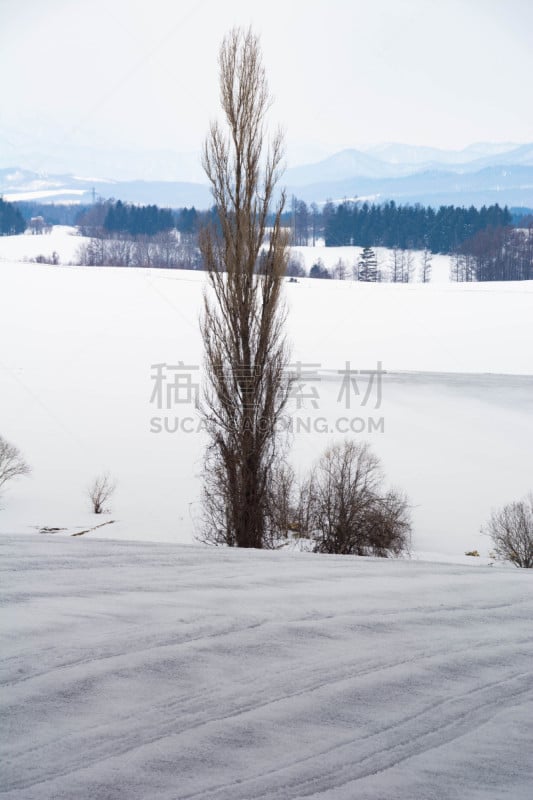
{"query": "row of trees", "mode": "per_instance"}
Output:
(495, 254)
(124, 217)
(110, 217)
(168, 250)
(137, 220)
(391, 225)
(400, 266)
(11, 220)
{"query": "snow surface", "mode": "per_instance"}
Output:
(43, 194)
(141, 670)
(62, 239)
(77, 345)
(135, 669)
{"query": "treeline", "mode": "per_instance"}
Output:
(113, 217)
(397, 266)
(11, 220)
(167, 249)
(482, 242)
(124, 235)
(391, 225)
(52, 213)
(496, 254)
(137, 220)
(120, 216)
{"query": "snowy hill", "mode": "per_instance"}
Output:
(141, 669)
(76, 382)
(137, 670)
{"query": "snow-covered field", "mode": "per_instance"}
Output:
(76, 382)
(161, 670)
(146, 671)
(62, 240)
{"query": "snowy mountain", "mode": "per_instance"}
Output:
(20, 184)
(510, 185)
(392, 161)
(339, 166)
(479, 174)
(394, 153)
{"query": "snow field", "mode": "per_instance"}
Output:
(146, 670)
(76, 381)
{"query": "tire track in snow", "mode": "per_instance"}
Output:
(243, 708)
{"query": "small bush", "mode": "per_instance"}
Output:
(41, 259)
(100, 492)
(511, 531)
(345, 509)
(12, 464)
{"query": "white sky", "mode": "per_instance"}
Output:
(344, 73)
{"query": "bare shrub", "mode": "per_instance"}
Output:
(511, 531)
(42, 259)
(296, 266)
(345, 508)
(100, 492)
(12, 464)
(282, 505)
(92, 253)
(388, 525)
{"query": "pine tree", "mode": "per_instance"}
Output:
(368, 266)
(11, 220)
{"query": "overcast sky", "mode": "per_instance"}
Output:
(344, 73)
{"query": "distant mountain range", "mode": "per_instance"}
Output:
(22, 184)
(480, 174)
(394, 161)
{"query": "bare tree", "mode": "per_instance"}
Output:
(425, 265)
(100, 492)
(12, 464)
(299, 222)
(511, 531)
(315, 220)
(408, 266)
(282, 511)
(346, 509)
(401, 265)
(340, 270)
(387, 525)
(396, 265)
(246, 355)
(296, 266)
